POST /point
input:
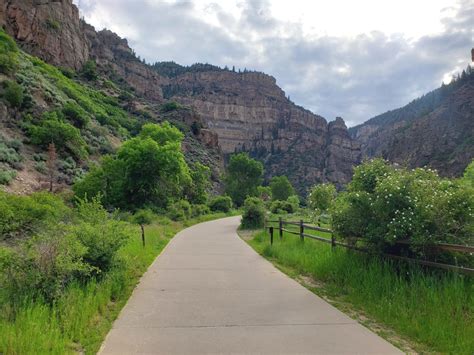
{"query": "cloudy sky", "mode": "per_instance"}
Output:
(346, 58)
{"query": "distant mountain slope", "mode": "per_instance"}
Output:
(436, 130)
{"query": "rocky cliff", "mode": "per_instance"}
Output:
(249, 112)
(51, 30)
(236, 111)
(436, 130)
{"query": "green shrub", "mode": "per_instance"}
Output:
(9, 155)
(52, 24)
(220, 204)
(102, 236)
(281, 188)
(8, 54)
(40, 166)
(294, 201)
(254, 213)
(170, 106)
(41, 267)
(89, 70)
(6, 176)
(321, 197)
(15, 144)
(200, 183)
(180, 210)
(28, 215)
(13, 93)
(386, 205)
(143, 217)
(65, 136)
(67, 72)
(74, 113)
(199, 210)
(281, 206)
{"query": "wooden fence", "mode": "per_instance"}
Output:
(305, 226)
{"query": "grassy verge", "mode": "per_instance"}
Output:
(431, 308)
(81, 318)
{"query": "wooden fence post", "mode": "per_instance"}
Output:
(143, 234)
(271, 235)
(301, 230)
(333, 241)
(280, 227)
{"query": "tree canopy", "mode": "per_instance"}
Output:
(148, 170)
(281, 188)
(244, 175)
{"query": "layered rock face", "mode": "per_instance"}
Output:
(237, 111)
(439, 135)
(249, 112)
(51, 30)
(116, 58)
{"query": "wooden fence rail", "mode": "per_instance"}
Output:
(305, 225)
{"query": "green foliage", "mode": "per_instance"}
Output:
(42, 267)
(9, 155)
(143, 217)
(105, 109)
(169, 106)
(77, 115)
(161, 134)
(101, 236)
(68, 72)
(244, 175)
(180, 210)
(264, 193)
(199, 210)
(321, 197)
(220, 204)
(468, 177)
(40, 166)
(27, 215)
(254, 213)
(280, 207)
(148, 170)
(200, 183)
(366, 175)
(89, 70)
(13, 93)
(65, 136)
(6, 176)
(8, 54)
(385, 205)
(53, 24)
(294, 200)
(196, 127)
(281, 188)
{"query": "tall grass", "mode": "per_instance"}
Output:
(435, 309)
(81, 318)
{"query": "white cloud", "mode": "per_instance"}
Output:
(353, 59)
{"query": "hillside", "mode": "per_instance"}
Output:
(95, 103)
(234, 111)
(436, 130)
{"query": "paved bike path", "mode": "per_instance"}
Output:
(210, 293)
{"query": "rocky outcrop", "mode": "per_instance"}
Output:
(249, 112)
(436, 130)
(114, 56)
(51, 30)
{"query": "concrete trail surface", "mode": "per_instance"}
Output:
(211, 293)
